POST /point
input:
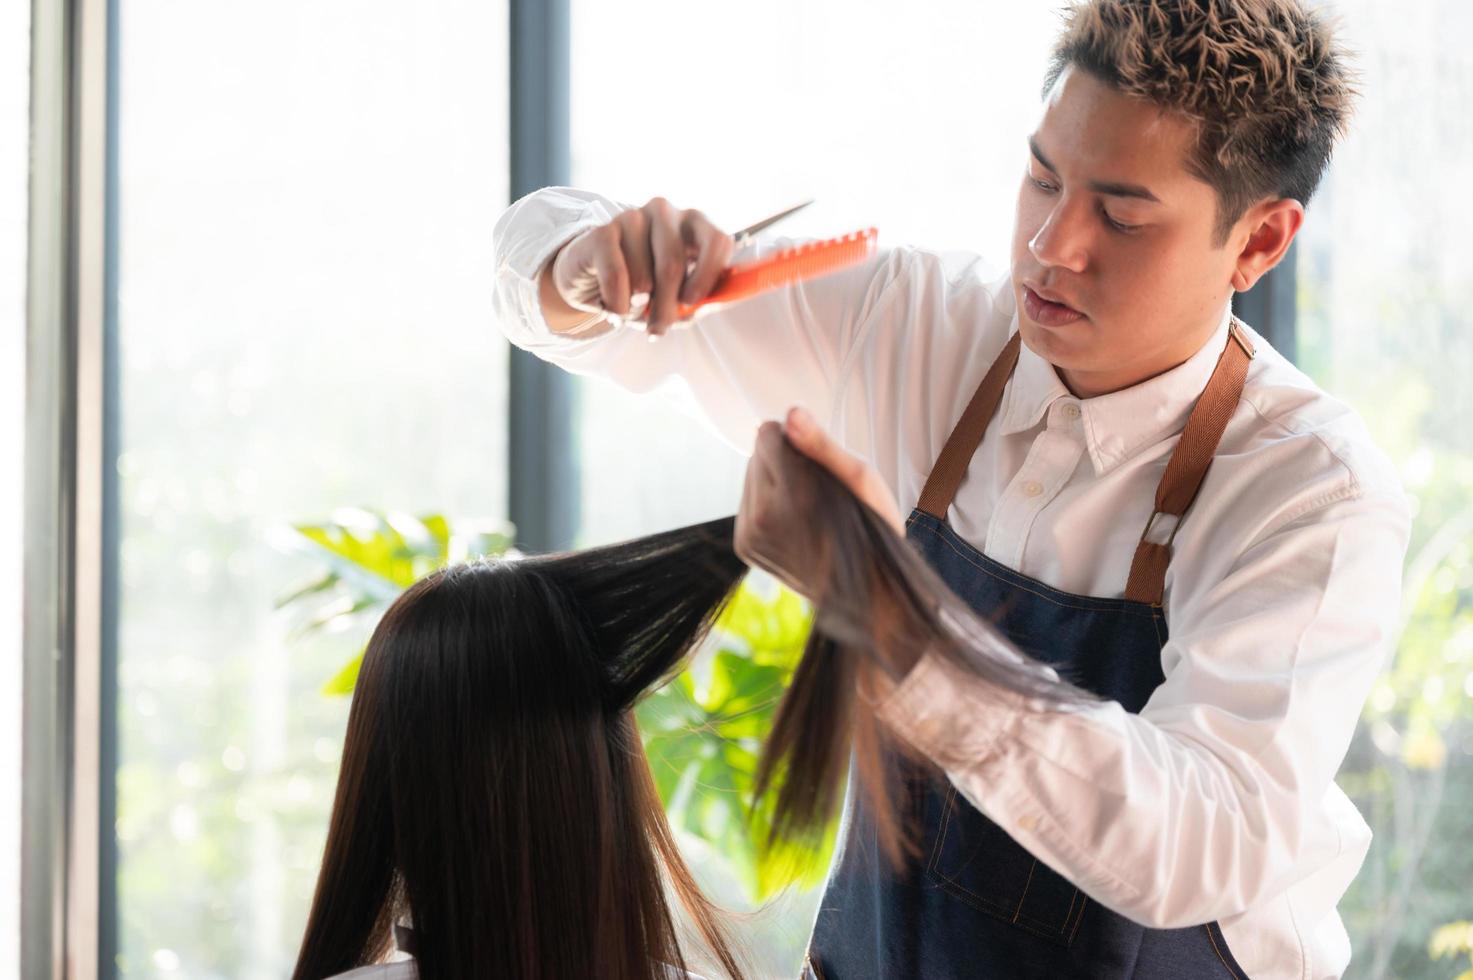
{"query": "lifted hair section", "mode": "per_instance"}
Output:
(1264, 80)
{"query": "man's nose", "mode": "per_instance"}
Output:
(1062, 239)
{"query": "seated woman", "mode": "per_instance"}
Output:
(493, 789)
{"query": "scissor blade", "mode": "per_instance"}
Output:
(766, 223)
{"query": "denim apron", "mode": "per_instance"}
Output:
(976, 903)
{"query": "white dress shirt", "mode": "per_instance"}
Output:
(1217, 800)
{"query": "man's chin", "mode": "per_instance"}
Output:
(1069, 347)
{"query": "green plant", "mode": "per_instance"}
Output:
(370, 558)
(702, 731)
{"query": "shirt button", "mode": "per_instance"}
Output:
(1028, 821)
(1071, 411)
(1032, 488)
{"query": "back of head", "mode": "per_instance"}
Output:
(493, 784)
(1264, 81)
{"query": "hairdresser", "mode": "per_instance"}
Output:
(1095, 453)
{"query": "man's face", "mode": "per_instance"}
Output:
(1113, 229)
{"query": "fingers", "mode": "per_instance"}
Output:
(656, 253)
(668, 253)
(861, 478)
(713, 250)
(759, 490)
(634, 244)
(809, 438)
(614, 287)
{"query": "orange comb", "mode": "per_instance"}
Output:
(783, 268)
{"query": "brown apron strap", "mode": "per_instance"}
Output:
(1188, 465)
(1184, 472)
(961, 445)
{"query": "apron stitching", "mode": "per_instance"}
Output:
(1233, 972)
(962, 891)
(941, 837)
(1078, 919)
(1070, 914)
(958, 890)
(1027, 923)
(1026, 885)
(1068, 605)
(1051, 928)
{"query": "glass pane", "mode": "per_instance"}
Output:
(1384, 300)
(306, 193)
(882, 117)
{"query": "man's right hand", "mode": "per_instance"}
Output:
(641, 265)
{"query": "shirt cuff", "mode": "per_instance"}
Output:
(546, 220)
(953, 718)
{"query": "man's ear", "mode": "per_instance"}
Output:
(1263, 236)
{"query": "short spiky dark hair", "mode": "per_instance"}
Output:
(1264, 80)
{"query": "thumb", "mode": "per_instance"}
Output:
(809, 438)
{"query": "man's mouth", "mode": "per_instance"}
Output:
(1048, 312)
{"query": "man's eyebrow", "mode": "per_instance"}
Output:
(1106, 187)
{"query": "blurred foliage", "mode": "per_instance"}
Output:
(1409, 769)
(370, 558)
(702, 732)
(1454, 939)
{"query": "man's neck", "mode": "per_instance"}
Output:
(1092, 384)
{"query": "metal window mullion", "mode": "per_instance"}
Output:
(48, 483)
(542, 481)
(67, 298)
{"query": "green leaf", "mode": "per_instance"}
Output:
(322, 584)
(372, 557)
(703, 737)
(344, 680)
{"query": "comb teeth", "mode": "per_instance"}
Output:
(808, 260)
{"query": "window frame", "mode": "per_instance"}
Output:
(70, 436)
(69, 921)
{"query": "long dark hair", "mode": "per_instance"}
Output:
(493, 785)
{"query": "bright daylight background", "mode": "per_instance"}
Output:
(307, 193)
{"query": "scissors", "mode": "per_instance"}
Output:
(744, 236)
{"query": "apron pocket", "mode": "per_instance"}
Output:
(974, 860)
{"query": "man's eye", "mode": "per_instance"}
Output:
(1042, 185)
(1118, 225)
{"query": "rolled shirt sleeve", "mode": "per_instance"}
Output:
(733, 368)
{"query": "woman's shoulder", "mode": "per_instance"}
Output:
(402, 970)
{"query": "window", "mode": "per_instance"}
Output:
(882, 117)
(305, 198)
(1383, 322)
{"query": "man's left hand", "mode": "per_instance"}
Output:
(774, 525)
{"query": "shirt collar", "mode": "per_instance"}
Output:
(1120, 423)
